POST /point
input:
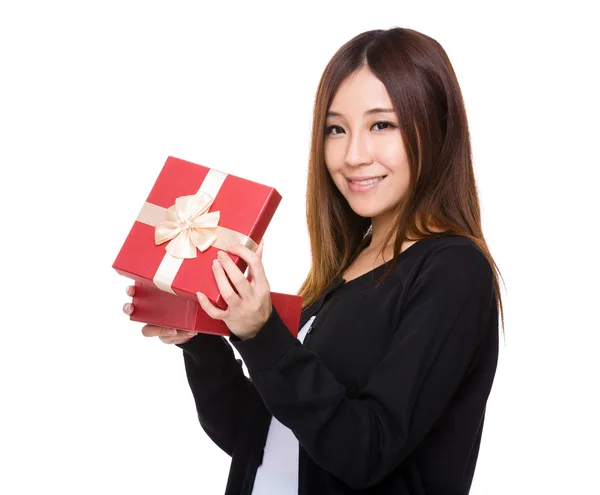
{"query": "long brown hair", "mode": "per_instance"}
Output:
(442, 196)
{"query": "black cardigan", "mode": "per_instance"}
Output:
(386, 395)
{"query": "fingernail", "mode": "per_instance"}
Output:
(171, 331)
(191, 334)
(221, 254)
(200, 296)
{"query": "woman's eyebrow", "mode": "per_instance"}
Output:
(368, 112)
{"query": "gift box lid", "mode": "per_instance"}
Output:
(245, 209)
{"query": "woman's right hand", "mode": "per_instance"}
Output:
(166, 335)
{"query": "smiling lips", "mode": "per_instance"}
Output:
(362, 184)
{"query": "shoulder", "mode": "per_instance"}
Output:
(456, 258)
(452, 247)
(435, 244)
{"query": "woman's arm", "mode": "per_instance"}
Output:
(219, 387)
(361, 440)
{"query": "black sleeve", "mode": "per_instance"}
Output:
(219, 386)
(361, 440)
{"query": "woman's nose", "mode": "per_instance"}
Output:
(358, 151)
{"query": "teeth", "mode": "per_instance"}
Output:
(365, 182)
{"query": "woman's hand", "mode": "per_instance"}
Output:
(249, 309)
(167, 335)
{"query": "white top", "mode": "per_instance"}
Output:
(278, 473)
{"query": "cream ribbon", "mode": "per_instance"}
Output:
(189, 226)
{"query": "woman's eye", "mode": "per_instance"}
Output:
(329, 129)
(379, 126)
(386, 124)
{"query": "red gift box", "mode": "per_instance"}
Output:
(157, 307)
(231, 209)
(191, 213)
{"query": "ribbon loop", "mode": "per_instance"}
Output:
(188, 226)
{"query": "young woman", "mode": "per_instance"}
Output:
(384, 391)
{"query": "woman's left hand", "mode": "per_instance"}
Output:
(249, 309)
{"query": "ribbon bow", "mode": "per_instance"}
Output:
(188, 226)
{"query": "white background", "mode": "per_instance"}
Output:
(95, 95)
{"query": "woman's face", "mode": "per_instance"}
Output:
(362, 141)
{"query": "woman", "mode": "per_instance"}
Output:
(384, 390)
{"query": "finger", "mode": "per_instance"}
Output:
(259, 251)
(235, 275)
(156, 331)
(166, 340)
(128, 308)
(248, 275)
(130, 290)
(225, 288)
(211, 310)
(181, 337)
(252, 260)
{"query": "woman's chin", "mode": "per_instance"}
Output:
(365, 212)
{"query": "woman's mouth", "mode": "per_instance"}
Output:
(364, 185)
